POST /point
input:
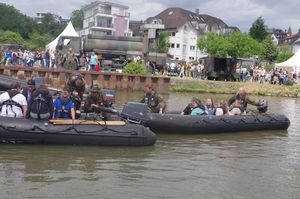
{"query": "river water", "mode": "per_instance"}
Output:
(232, 165)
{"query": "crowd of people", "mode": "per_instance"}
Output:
(246, 74)
(259, 74)
(236, 105)
(38, 103)
(48, 58)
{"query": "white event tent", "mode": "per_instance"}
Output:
(68, 31)
(292, 64)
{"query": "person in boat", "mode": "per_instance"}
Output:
(197, 107)
(77, 105)
(238, 108)
(187, 110)
(76, 83)
(28, 91)
(222, 109)
(41, 104)
(155, 102)
(243, 97)
(64, 106)
(210, 107)
(94, 100)
(13, 103)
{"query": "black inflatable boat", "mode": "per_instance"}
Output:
(171, 123)
(114, 133)
(177, 124)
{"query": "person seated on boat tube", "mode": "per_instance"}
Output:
(155, 102)
(27, 91)
(13, 103)
(197, 107)
(187, 110)
(77, 104)
(76, 83)
(237, 108)
(222, 109)
(210, 107)
(241, 94)
(94, 101)
(41, 104)
(63, 106)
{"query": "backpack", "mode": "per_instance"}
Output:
(39, 106)
(10, 102)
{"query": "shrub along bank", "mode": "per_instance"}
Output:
(221, 87)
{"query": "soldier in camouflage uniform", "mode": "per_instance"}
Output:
(76, 83)
(94, 100)
(70, 59)
(58, 58)
(155, 102)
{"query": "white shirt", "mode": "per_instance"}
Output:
(219, 111)
(19, 98)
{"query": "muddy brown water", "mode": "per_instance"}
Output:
(231, 165)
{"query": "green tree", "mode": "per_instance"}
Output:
(269, 51)
(50, 25)
(11, 37)
(213, 44)
(11, 19)
(242, 45)
(77, 18)
(38, 40)
(163, 42)
(258, 30)
(283, 57)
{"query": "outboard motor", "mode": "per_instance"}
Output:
(109, 96)
(263, 106)
(135, 112)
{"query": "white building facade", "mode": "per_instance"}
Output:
(105, 18)
(183, 44)
(185, 28)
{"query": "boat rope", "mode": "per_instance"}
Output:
(35, 127)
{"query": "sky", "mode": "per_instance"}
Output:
(240, 13)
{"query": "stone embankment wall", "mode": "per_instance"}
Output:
(57, 78)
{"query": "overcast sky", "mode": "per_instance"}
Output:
(240, 13)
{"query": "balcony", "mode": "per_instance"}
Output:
(103, 12)
(104, 25)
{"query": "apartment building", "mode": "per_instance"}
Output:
(106, 18)
(186, 27)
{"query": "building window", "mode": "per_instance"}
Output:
(172, 45)
(184, 48)
(173, 34)
(177, 58)
(154, 21)
(177, 45)
(192, 48)
(191, 58)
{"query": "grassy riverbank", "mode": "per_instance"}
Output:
(220, 87)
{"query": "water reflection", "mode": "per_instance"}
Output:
(231, 165)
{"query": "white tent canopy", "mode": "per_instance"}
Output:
(292, 63)
(68, 31)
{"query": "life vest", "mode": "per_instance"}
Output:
(63, 110)
(152, 102)
(210, 110)
(39, 107)
(10, 102)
